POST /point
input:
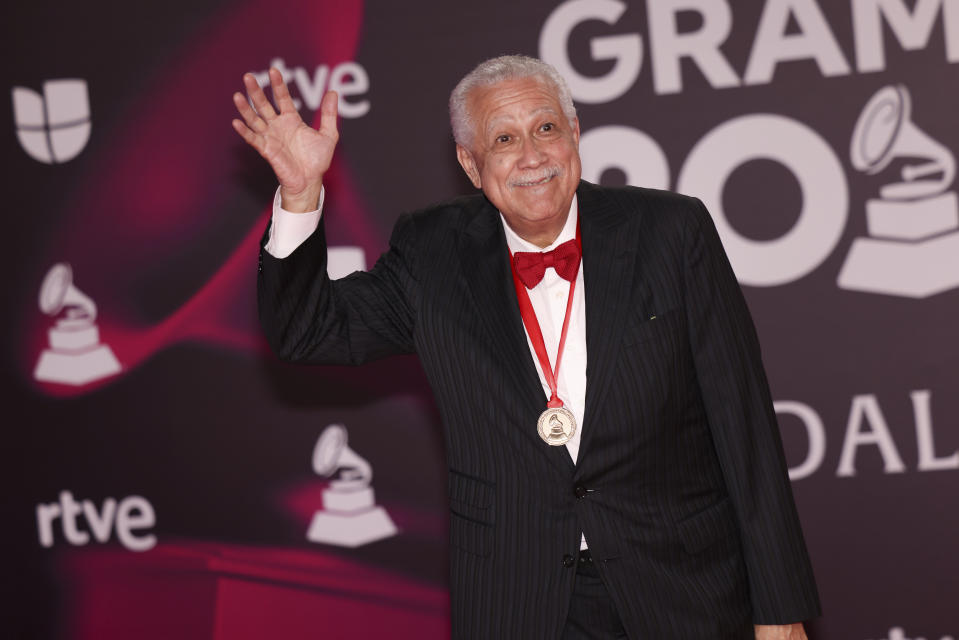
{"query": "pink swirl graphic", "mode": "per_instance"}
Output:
(161, 198)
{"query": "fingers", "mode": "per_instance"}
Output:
(328, 115)
(249, 116)
(251, 138)
(258, 98)
(281, 94)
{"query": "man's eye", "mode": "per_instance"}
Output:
(503, 138)
(549, 126)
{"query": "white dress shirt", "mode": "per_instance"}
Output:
(289, 230)
(549, 302)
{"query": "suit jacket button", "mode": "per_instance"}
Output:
(580, 492)
(568, 561)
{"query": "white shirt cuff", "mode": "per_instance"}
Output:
(289, 230)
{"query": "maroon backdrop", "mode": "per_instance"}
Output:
(159, 474)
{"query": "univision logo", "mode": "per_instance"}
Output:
(55, 127)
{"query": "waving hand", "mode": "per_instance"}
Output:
(299, 154)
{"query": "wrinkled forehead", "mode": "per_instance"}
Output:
(504, 118)
(512, 99)
(515, 85)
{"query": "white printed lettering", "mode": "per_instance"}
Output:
(924, 438)
(912, 30)
(814, 430)
(626, 50)
(865, 409)
(669, 47)
(100, 525)
(773, 45)
(811, 160)
(71, 509)
(135, 512)
(46, 514)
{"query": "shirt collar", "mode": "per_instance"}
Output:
(515, 243)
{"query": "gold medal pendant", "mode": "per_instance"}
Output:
(556, 426)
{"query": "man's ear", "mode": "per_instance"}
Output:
(576, 131)
(469, 165)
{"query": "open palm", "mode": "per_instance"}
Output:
(298, 154)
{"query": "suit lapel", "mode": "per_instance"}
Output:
(486, 269)
(609, 256)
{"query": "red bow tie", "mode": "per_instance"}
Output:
(530, 267)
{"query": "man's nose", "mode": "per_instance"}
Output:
(531, 154)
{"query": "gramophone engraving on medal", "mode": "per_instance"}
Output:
(556, 426)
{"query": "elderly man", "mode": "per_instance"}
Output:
(615, 464)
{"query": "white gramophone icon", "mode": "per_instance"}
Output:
(350, 516)
(913, 244)
(75, 355)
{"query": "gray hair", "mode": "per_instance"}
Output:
(497, 70)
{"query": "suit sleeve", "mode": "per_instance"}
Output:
(309, 318)
(745, 432)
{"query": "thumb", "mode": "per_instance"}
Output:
(328, 110)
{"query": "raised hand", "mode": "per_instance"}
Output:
(299, 154)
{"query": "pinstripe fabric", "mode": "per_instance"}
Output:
(690, 517)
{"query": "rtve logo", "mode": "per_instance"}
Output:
(126, 517)
(55, 127)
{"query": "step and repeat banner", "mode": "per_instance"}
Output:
(165, 476)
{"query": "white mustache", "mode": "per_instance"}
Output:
(535, 177)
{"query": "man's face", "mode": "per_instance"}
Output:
(524, 154)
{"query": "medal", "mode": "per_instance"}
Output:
(557, 425)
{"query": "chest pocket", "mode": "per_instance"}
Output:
(471, 513)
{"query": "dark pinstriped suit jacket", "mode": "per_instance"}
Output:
(689, 508)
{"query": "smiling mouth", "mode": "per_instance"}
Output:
(536, 180)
